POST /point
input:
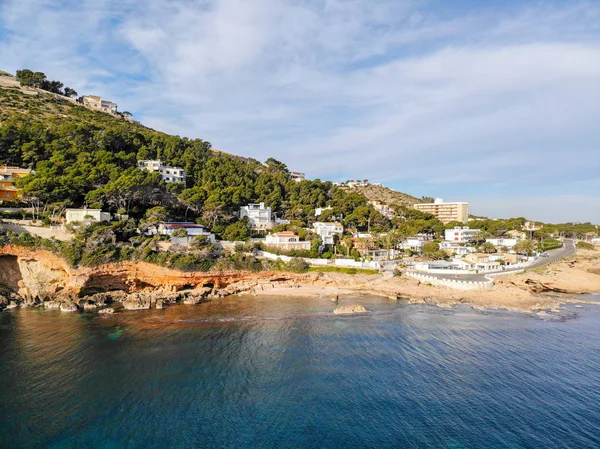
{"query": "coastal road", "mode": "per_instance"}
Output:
(567, 250)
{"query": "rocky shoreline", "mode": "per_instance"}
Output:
(39, 278)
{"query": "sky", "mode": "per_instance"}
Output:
(492, 102)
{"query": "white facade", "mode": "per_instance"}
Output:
(357, 183)
(259, 216)
(286, 240)
(85, 215)
(96, 102)
(109, 106)
(167, 173)
(461, 234)
(297, 176)
(192, 230)
(509, 243)
(320, 210)
(456, 248)
(414, 244)
(383, 209)
(326, 230)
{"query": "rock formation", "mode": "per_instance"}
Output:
(38, 277)
(356, 308)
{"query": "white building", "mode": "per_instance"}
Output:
(320, 210)
(168, 174)
(456, 248)
(259, 216)
(446, 212)
(509, 243)
(297, 176)
(413, 244)
(287, 240)
(86, 215)
(96, 102)
(326, 230)
(383, 209)
(461, 234)
(191, 229)
(357, 183)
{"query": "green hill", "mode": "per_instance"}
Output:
(87, 157)
(387, 196)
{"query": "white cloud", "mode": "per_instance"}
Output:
(498, 100)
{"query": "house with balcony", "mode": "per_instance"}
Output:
(461, 234)
(453, 248)
(327, 231)
(259, 216)
(96, 102)
(286, 240)
(191, 230)
(8, 177)
(414, 244)
(297, 176)
(167, 173)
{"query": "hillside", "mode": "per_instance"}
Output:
(87, 157)
(387, 196)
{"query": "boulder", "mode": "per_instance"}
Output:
(107, 310)
(68, 307)
(356, 308)
(137, 301)
(52, 305)
(196, 296)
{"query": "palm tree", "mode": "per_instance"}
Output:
(487, 248)
(347, 240)
(526, 246)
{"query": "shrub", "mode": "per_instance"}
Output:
(584, 245)
(297, 265)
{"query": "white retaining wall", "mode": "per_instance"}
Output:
(453, 283)
(354, 264)
(322, 262)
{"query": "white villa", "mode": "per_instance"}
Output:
(461, 234)
(96, 102)
(86, 215)
(297, 176)
(259, 216)
(456, 248)
(326, 230)
(320, 210)
(168, 174)
(192, 230)
(287, 240)
(509, 243)
(414, 244)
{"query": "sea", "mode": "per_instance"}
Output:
(268, 372)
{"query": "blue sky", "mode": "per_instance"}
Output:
(492, 102)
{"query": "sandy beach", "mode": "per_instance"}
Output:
(541, 289)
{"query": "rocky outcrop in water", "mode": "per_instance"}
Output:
(356, 308)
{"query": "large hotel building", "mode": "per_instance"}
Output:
(446, 212)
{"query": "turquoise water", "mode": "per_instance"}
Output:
(268, 372)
